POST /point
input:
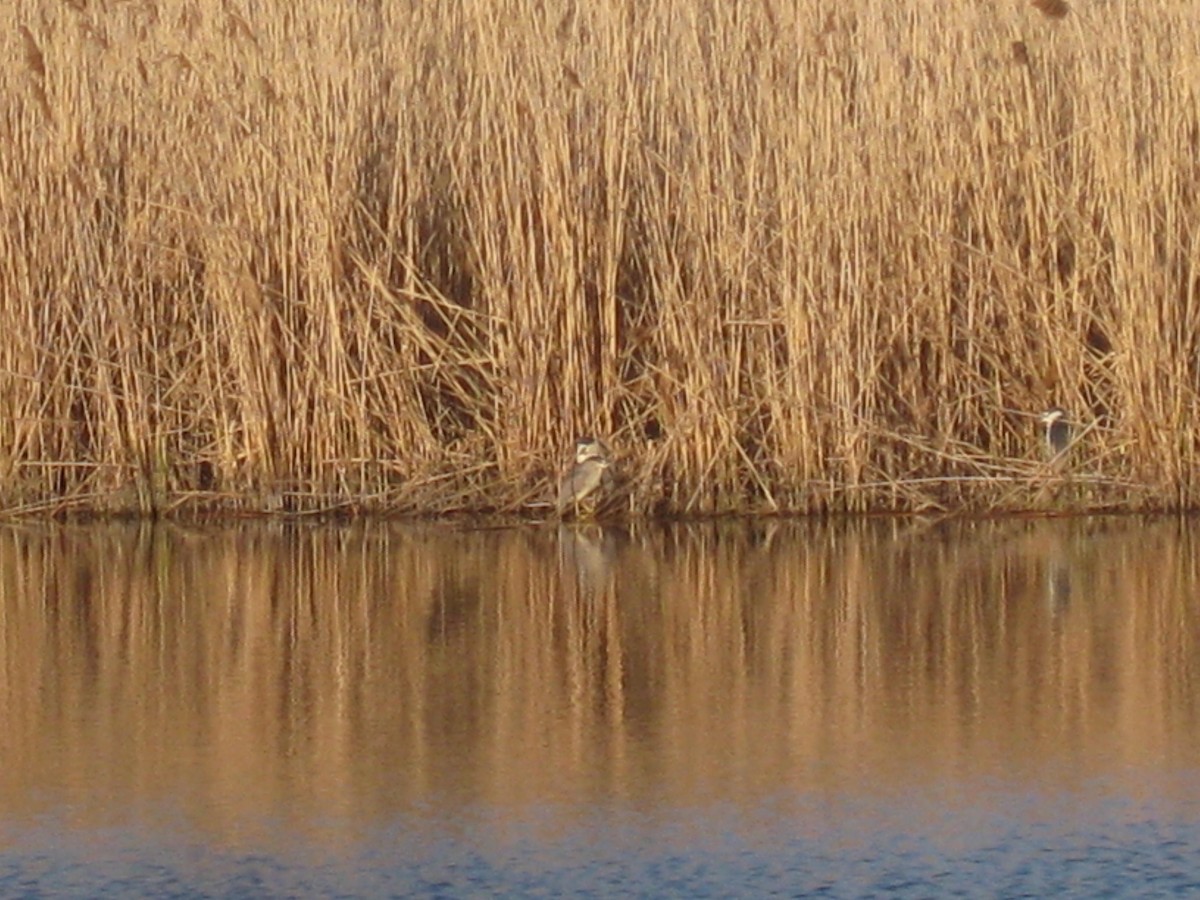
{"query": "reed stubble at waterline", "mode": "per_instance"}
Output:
(802, 259)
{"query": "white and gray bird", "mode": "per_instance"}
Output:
(1058, 430)
(589, 475)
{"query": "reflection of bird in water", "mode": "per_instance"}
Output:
(588, 478)
(1058, 430)
(586, 553)
(1058, 584)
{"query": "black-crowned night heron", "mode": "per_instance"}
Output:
(589, 475)
(1058, 430)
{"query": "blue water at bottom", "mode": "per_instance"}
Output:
(996, 841)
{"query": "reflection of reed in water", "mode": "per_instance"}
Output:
(1039, 547)
(376, 665)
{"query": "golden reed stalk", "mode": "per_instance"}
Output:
(781, 257)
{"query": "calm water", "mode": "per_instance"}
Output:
(877, 707)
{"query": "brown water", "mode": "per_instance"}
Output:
(883, 706)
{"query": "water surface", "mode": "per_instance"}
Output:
(876, 706)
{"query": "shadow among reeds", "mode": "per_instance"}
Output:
(398, 256)
(367, 668)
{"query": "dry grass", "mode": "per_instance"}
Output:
(785, 257)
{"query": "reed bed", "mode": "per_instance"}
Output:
(783, 257)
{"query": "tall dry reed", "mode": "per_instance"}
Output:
(784, 256)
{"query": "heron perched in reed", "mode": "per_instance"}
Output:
(1058, 430)
(588, 478)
